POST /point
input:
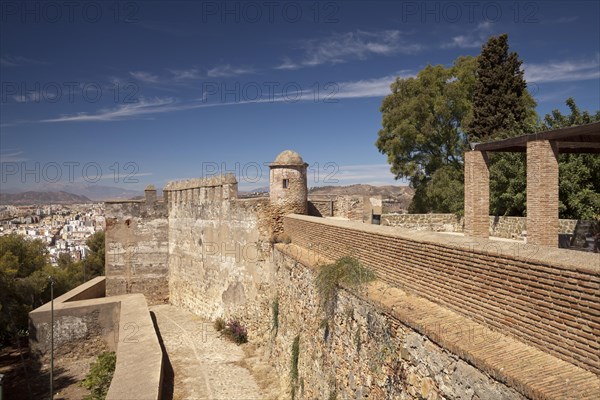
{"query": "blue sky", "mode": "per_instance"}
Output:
(135, 92)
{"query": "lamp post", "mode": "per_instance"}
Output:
(1, 379)
(51, 337)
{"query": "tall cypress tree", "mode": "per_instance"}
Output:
(502, 106)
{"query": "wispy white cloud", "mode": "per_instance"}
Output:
(472, 39)
(119, 177)
(31, 97)
(148, 107)
(331, 173)
(18, 61)
(226, 70)
(566, 20)
(342, 47)
(287, 63)
(563, 71)
(143, 108)
(377, 87)
(11, 155)
(185, 74)
(143, 76)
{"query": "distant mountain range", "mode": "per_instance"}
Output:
(31, 197)
(91, 192)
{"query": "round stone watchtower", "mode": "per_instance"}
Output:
(287, 185)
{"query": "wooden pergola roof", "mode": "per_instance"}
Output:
(575, 139)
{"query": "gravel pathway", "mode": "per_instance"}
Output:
(203, 364)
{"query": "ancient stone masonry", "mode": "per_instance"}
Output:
(499, 226)
(217, 246)
(204, 249)
(137, 248)
(548, 298)
(288, 188)
(364, 353)
(354, 207)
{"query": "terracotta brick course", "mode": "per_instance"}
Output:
(554, 307)
(542, 192)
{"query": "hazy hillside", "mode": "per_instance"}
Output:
(362, 189)
(32, 197)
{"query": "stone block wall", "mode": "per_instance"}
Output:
(504, 227)
(137, 247)
(78, 330)
(353, 207)
(364, 353)
(218, 246)
(424, 222)
(548, 298)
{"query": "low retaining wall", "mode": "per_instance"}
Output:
(504, 227)
(119, 323)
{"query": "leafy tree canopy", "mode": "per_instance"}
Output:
(422, 128)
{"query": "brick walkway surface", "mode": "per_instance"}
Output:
(203, 364)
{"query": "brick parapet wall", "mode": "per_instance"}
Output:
(546, 297)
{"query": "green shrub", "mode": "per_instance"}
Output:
(275, 310)
(281, 238)
(346, 271)
(294, 365)
(236, 332)
(97, 381)
(219, 324)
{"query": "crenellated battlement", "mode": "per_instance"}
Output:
(217, 180)
(201, 190)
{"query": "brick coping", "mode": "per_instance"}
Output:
(532, 372)
(552, 257)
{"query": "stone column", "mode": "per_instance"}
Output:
(477, 194)
(542, 193)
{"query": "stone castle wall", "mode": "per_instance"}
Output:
(545, 297)
(504, 227)
(353, 207)
(424, 222)
(208, 251)
(137, 246)
(363, 353)
(218, 245)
